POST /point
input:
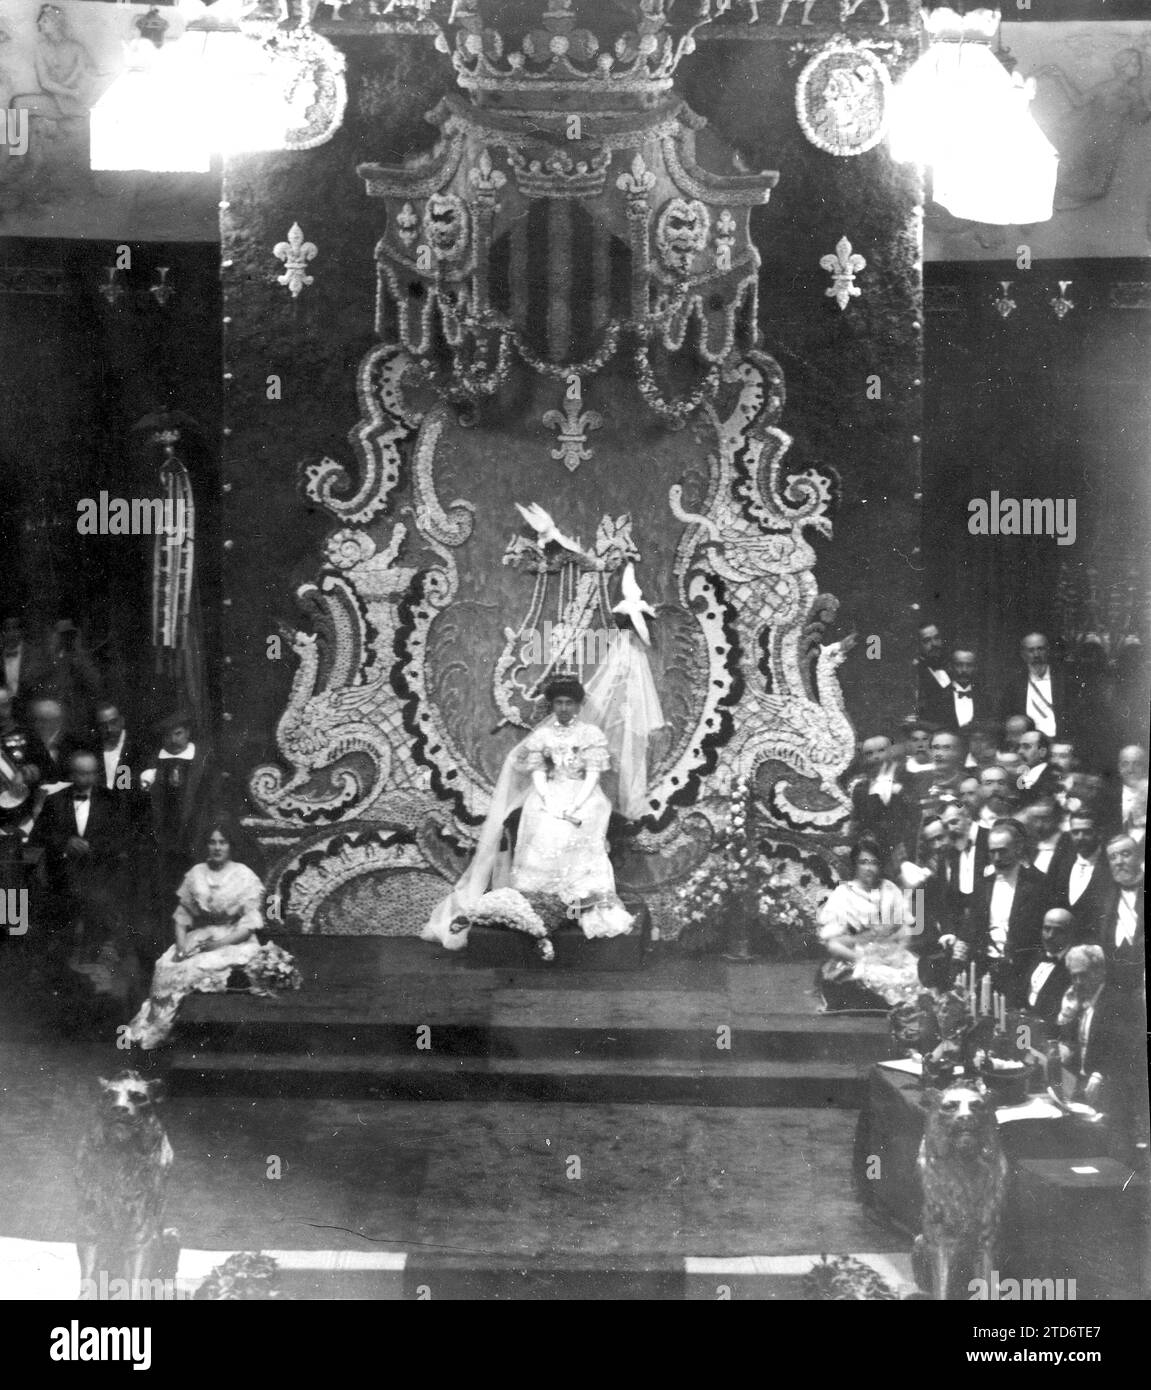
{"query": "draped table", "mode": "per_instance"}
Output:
(1072, 1209)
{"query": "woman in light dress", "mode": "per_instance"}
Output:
(865, 925)
(218, 912)
(561, 842)
(561, 845)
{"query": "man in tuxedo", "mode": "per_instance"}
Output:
(82, 832)
(1104, 1031)
(966, 856)
(1048, 849)
(1038, 778)
(1120, 920)
(982, 745)
(1003, 924)
(1064, 757)
(50, 747)
(1041, 989)
(1039, 690)
(1129, 800)
(971, 796)
(1081, 881)
(1014, 727)
(932, 670)
(121, 758)
(1000, 796)
(881, 809)
(927, 875)
(959, 704)
(947, 755)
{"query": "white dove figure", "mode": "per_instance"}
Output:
(633, 605)
(545, 528)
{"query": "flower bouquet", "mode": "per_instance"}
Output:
(244, 1277)
(272, 971)
(844, 1279)
(742, 898)
(508, 908)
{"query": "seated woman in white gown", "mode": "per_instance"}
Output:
(866, 925)
(561, 843)
(219, 909)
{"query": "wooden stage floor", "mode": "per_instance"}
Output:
(404, 1019)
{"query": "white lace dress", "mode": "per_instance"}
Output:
(210, 904)
(555, 855)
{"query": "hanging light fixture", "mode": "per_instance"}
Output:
(961, 114)
(210, 90)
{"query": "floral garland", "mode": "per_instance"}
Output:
(588, 367)
(675, 412)
(506, 907)
(474, 382)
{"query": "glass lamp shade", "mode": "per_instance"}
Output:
(961, 114)
(213, 90)
(146, 119)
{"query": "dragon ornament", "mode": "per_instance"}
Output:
(750, 532)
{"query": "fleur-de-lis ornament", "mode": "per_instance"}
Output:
(295, 253)
(112, 290)
(574, 427)
(486, 179)
(162, 291)
(637, 184)
(843, 267)
(1005, 306)
(407, 224)
(1060, 303)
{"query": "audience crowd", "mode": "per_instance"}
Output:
(1016, 822)
(99, 821)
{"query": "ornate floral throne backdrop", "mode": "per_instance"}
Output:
(583, 295)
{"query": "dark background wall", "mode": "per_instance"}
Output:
(314, 344)
(1034, 406)
(79, 374)
(829, 356)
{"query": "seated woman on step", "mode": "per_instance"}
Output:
(218, 912)
(865, 926)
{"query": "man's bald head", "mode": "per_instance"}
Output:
(1058, 929)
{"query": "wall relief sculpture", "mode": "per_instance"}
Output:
(538, 280)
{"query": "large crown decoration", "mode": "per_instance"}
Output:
(568, 160)
(635, 46)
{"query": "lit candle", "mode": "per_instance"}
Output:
(985, 996)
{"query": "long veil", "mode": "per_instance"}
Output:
(623, 702)
(511, 789)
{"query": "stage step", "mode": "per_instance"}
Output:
(397, 1018)
(314, 1031)
(586, 1080)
